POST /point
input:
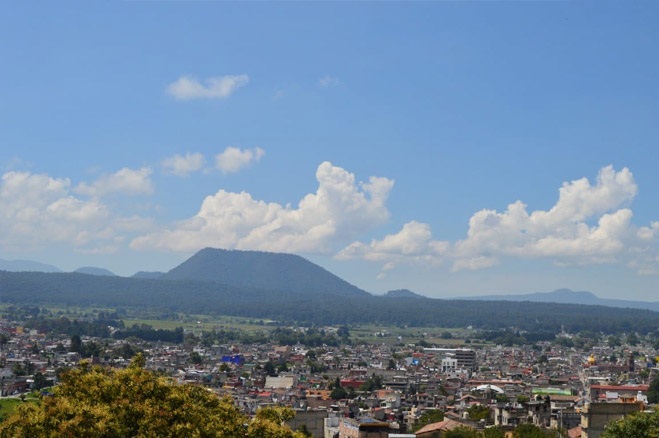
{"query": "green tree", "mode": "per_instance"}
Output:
(133, 402)
(338, 393)
(196, 358)
(428, 417)
(529, 431)
(494, 432)
(462, 432)
(76, 344)
(478, 412)
(40, 381)
(636, 425)
(269, 368)
(653, 391)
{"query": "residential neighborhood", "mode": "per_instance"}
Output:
(381, 389)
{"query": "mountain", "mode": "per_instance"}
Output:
(212, 298)
(148, 274)
(266, 271)
(91, 270)
(26, 266)
(402, 293)
(567, 296)
(312, 304)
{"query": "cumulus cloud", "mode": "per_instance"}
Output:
(183, 165)
(412, 243)
(562, 232)
(233, 159)
(589, 224)
(339, 210)
(218, 87)
(126, 181)
(38, 210)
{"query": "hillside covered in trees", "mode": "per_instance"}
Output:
(291, 289)
(196, 297)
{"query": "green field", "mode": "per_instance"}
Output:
(9, 405)
(367, 333)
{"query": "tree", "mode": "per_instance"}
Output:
(134, 402)
(76, 344)
(494, 432)
(462, 432)
(531, 431)
(269, 368)
(196, 358)
(478, 412)
(40, 381)
(636, 425)
(428, 417)
(653, 391)
(338, 393)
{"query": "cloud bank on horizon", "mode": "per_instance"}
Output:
(590, 223)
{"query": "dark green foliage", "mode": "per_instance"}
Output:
(653, 391)
(97, 327)
(536, 321)
(428, 417)
(636, 425)
(76, 344)
(310, 337)
(533, 431)
(462, 432)
(40, 381)
(478, 412)
(338, 393)
(372, 383)
(269, 368)
(148, 333)
(494, 432)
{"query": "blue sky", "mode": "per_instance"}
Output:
(452, 148)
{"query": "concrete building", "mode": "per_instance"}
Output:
(465, 357)
(363, 428)
(595, 416)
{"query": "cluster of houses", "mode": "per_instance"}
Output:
(385, 388)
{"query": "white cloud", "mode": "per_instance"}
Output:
(37, 210)
(413, 243)
(126, 181)
(589, 224)
(563, 232)
(218, 87)
(328, 81)
(234, 159)
(339, 210)
(182, 165)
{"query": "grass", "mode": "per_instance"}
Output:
(9, 405)
(202, 323)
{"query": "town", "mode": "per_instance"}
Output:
(343, 385)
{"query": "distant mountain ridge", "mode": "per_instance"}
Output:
(148, 274)
(26, 266)
(261, 270)
(402, 293)
(568, 296)
(92, 270)
(288, 288)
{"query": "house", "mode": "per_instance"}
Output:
(438, 429)
(363, 428)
